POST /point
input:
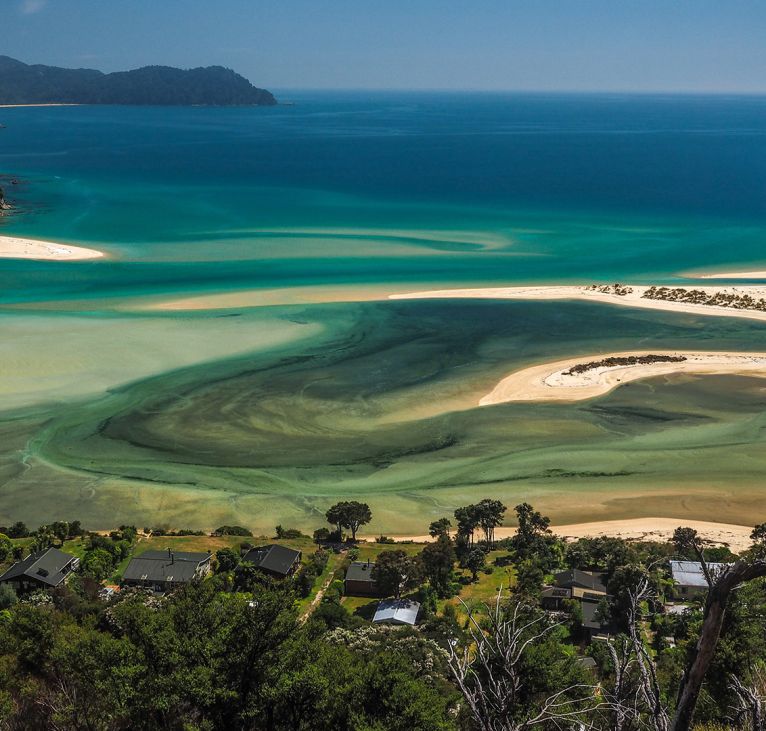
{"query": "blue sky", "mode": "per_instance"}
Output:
(569, 45)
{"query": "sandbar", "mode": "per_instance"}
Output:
(761, 274)
(645, 529)
(634, 298)
(12, 247)
(554, 382)
(43, 104)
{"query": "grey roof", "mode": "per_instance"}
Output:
(398, 611)
(583, 579)
(689, 573)
(46, 566)
(274, 558)
(164, 567)
(555, 592)
(360, 571)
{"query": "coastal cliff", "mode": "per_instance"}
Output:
(21, 83)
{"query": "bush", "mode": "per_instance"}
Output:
(231, 530)
(7, 596)
(384, 539)
(321, 535)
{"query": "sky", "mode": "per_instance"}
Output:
(525, 45)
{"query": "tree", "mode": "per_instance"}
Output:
(60, 530)
(7, 596)
(395, 572)
(321, 535)
(467, 519)
(98, 564)
(489, 514)
(529, 578)
(438, 559)
(475, 562)
(349, 514)
(335, 515)
(515, 676)
(439, 528)
(6, 547)
(18, 530)
(721, 586)
(227, 559)
(43, 538)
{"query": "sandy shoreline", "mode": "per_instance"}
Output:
(648, 529)
(552, 382)
(578, 292)
(12, 247)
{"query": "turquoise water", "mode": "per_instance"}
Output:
(391, 188)
(266, 415)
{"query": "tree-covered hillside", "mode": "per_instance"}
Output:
(21, 83)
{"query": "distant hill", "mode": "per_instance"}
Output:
(21, 83)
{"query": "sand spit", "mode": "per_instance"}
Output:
(557, 382)
(632, 296)
(12, 247)
(733, 275)
(45, 104)
(645, 529)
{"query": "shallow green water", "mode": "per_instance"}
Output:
(261, 416)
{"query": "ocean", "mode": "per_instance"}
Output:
(113, 412)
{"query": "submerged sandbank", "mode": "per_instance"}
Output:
(556, 381)
(644, 529)
(632, 296)
(12, 247)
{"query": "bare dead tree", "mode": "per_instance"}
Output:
(750, 700)
(721, 585)
(488, 672)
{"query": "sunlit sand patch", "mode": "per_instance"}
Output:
(559, 382)
(12, 247)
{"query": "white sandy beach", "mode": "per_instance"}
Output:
(552, 382)
(734, 275)
(46, 104)
(648, 529)
(578, 292)
(12, 247)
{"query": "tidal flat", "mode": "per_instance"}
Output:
(380, 403)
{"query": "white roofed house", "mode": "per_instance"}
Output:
(397, 611)
(689, 579)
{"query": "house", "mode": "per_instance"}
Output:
(572, 584)
(688, 579)
(397, 611)
(274, 560)
(592, 622)
(163, 571)
(42, 570)
(359, 581)
(580, 581)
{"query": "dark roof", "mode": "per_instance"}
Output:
(591, 621)
(582, 579)
(47, 567)
(360, 571)
(274, 558)
(162, 566)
